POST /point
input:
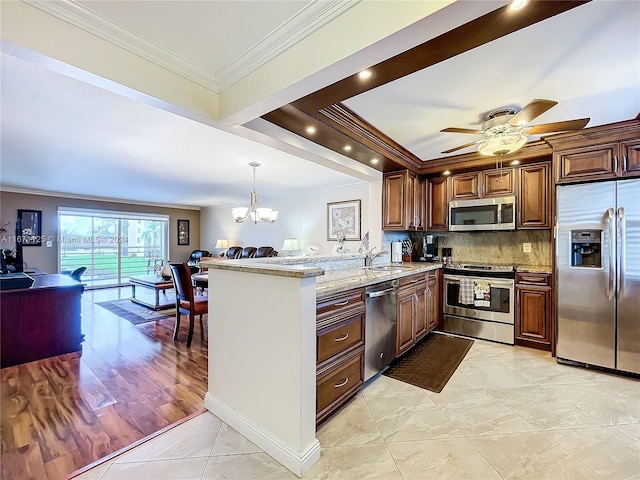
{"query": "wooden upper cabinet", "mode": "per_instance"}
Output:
(488, 183)
(587, 163)
(403, 201)
(465, 186)
(499, 182)
(534, 196)
(630, 158)
(438, 205)
(393, 201)
(599, 162)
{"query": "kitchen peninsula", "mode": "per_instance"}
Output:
(262, 346)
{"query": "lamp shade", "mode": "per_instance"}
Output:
(222, 243)
(290, 244)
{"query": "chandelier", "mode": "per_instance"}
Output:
(257, 214)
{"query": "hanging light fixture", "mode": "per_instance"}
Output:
(257, 214)
(502, 144)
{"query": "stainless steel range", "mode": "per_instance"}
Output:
(479, 301)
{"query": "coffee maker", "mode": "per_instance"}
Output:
(430, 248)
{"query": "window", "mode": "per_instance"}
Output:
(107, 244)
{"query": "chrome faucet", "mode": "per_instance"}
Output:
(370, 256)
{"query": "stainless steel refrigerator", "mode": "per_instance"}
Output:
(598, 274)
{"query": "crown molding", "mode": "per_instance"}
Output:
(94, 198)
(91, 22)
(305, 22)
(302, 24)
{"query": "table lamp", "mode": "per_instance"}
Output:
(224, 244)
(290, 245)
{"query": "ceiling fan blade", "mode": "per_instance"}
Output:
(556, 126)
(462, 130)
(530, 111)
(460, 147)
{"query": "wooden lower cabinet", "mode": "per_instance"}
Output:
(418, 308)
(338, 383)
(340, 324)
(533, 313)
(434, 304)
(404, 317)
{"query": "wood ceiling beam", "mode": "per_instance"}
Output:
(337, 124)
(482, 30)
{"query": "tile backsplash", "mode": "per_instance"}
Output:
(486, 247)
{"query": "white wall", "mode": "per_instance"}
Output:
(301, 216)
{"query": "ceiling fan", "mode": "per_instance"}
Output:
(506, 130)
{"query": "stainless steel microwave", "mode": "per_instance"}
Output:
(497, 213)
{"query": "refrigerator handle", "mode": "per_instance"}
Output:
(612, 260)
(622, 252)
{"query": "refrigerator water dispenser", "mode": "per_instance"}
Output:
(585, 248)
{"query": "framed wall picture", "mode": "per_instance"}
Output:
(183, 232)
(31, 225)
(343, 220)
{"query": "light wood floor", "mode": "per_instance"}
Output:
(63, 413)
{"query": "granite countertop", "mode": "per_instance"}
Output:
(257, 265)
(327, 282)
(341, 280)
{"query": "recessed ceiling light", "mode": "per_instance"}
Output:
(517, 4)
(364, 74)
(375, 160)
(515, 162)
(311, 130)
(446, 172)
(347, 148)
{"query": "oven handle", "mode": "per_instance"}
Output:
(492, 281)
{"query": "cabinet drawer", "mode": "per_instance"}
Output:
(540, 279)
(340, 338)
(339, 383)
(412, 280)
(340, 303)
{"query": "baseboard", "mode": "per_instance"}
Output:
(299, 462)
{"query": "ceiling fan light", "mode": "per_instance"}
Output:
(502, 144)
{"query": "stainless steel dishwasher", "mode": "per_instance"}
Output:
(380, 327)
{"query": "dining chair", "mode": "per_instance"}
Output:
(186, 301)
(248, 252)
(233, 252)
(77, 273)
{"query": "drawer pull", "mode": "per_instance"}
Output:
(341, 304)
(342, 338)
(342, 384)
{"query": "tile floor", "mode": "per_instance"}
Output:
(507, 413)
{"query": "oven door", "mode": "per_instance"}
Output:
(496, 305)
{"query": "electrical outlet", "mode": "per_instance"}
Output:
(526, 247)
